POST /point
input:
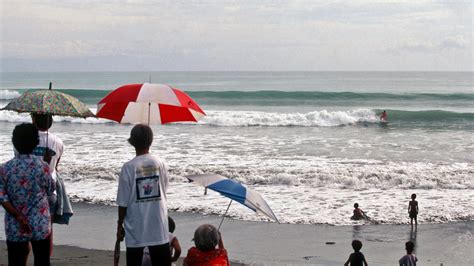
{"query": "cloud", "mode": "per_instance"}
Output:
(306, 35)
(455, 42)
(448, 43)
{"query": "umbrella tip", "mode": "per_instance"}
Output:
(50, 85)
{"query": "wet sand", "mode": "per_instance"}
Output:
(89, 240)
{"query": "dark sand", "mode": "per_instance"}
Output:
(89, 240)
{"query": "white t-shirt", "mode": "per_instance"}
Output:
(54, 143)
(142, 190)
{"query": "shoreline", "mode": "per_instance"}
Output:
(89, 240)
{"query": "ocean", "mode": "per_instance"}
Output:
(309, 142)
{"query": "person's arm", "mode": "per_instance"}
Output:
(365, 262)
(122, 212)
(4, 201)
(21, 219)
(402, 261)
(348, 260)
(57, 163)
(177, 249)
(123, 192)
(416, 207)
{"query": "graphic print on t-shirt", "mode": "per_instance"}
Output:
(148, 184)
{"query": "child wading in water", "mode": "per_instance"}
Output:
(413, 209)
(358, 214)
(356, 258)
(409, 259)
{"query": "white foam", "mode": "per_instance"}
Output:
(7, 94)
(248, 118)
(300, 204)
(316, 118)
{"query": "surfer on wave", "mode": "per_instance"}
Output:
(383, 116)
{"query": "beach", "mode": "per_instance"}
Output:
(89, 240)
(311, 143)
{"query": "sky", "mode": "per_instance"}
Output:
(253, 35)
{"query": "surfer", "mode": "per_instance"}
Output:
(383, 116)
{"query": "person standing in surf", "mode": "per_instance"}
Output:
(413, 209)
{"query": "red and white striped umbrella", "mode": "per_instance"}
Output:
(149, 104)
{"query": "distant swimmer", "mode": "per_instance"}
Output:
(383, 116)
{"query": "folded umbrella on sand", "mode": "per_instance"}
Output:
(117, 253)
(149, 104)
(235, 191)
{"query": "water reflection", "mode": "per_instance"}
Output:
(413, 232)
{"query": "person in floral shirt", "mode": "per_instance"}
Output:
(25, 184)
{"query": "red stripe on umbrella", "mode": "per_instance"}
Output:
(112, 111)
(170, 113)
(127, 93)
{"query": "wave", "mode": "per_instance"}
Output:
(324, 118)
(9, 94)
(282, 98)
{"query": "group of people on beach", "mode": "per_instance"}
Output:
(27, 193)
(358, 259)
(359, 214)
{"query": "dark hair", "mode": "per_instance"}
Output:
(409, 246)
(206, 237)
(141, 137)
(356, 205)
(171, 224)
(356, 245)
(42, 121)
(25, 138)
(413, 196)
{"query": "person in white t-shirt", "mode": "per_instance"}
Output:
(141, 197)
(50, 147)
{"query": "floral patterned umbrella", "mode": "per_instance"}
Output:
(49, 102)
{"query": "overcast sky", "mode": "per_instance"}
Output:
(236, 35)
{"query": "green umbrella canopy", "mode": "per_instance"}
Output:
(49, 102)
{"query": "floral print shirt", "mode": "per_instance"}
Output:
(26, 182)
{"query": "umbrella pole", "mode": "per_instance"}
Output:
(224, 215)
(149, 104)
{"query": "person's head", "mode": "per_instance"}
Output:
(356, 205)
(409, 246)
(171, 225)
(356, 245)
(206, 237)
(25, 138)
(42, 121)
(413, 196)
(141, 137)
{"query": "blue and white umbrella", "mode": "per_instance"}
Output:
(235, 191)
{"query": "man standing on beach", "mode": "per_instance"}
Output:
(141, 197)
